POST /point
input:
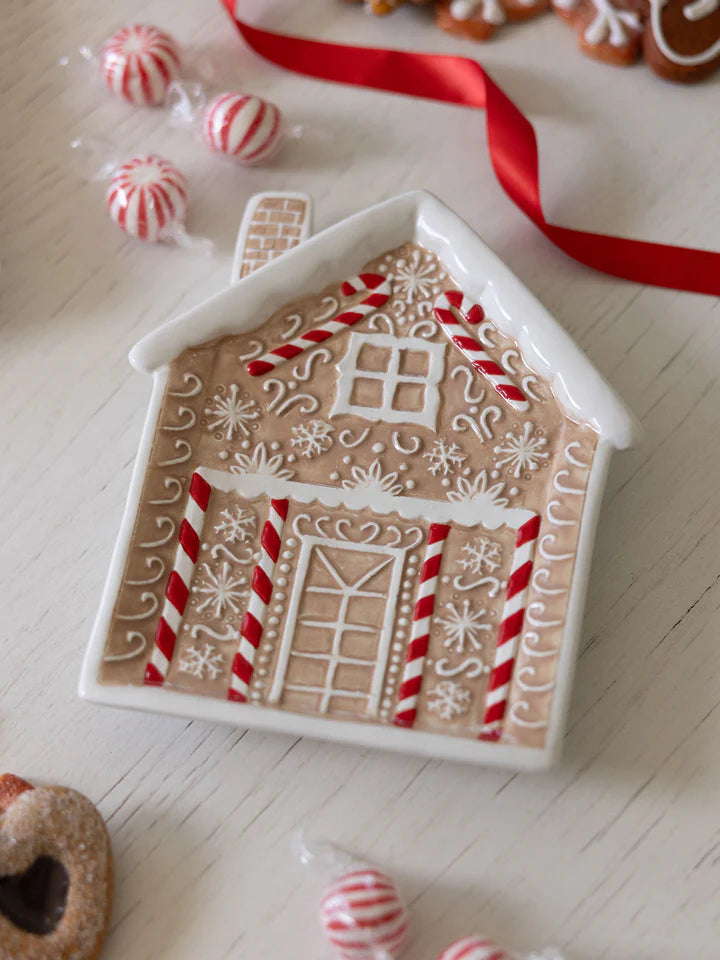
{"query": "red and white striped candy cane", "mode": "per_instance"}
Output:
(178, 585)
(422, 618)
(378, 289)
(474, 948)
(260, 595)
(510, 629)
(447, 307)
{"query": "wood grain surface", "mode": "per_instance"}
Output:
(614, 855)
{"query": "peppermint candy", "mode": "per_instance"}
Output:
(139, 63)
(474, 948)
(147, 198)
(363, 916)
(244, 127)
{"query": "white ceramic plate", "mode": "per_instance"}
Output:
(334, 254)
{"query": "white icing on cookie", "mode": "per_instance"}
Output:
(612, 25)
(702, 8)
(491, 12)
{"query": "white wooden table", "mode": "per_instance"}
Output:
(613, 855)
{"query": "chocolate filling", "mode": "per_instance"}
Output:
(35, 900)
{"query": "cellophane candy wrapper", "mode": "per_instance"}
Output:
(146, 196)
(364, 917)
(362, 912)
(138, 64)
(238, 126)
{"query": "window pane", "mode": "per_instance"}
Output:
(372, 358)
(366, 393)
(409, 397)
(414, 363)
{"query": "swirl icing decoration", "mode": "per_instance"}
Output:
(692, 11)
(142, 589)
(541, 638)
(512, 145)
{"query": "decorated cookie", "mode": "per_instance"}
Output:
(381, 8)
(360, 507)
(481, 18)
(55, 874)
(681, 40)
(607, 30)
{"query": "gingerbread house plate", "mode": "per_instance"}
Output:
(364, 502)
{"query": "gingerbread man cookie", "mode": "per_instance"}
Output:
(55, 873)
(681, 40)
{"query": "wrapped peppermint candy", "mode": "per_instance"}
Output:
(147, 198)
(361, 912)
(139, 63)
(244, 128)
(474, 948)
(482, 948)
(363, 915)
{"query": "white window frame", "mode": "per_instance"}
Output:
(391, 379)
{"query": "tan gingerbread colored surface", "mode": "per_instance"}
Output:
(273, 224)
(374, 440)
(56, 877)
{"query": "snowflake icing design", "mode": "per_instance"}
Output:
(413, 279)
(312, 438)
(236, 526)
(482, 556)
(259, 463)
(522, 451)
(449, 700)
(611, 24)
(201, 663)
(444, 456)
(222, 590)
(463, 626)
(479, 491)
(374, 480)
(232, 413)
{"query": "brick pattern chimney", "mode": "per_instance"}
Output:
(278, 224)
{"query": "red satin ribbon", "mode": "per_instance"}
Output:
(511, 142)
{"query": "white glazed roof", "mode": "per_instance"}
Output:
(342, 250)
